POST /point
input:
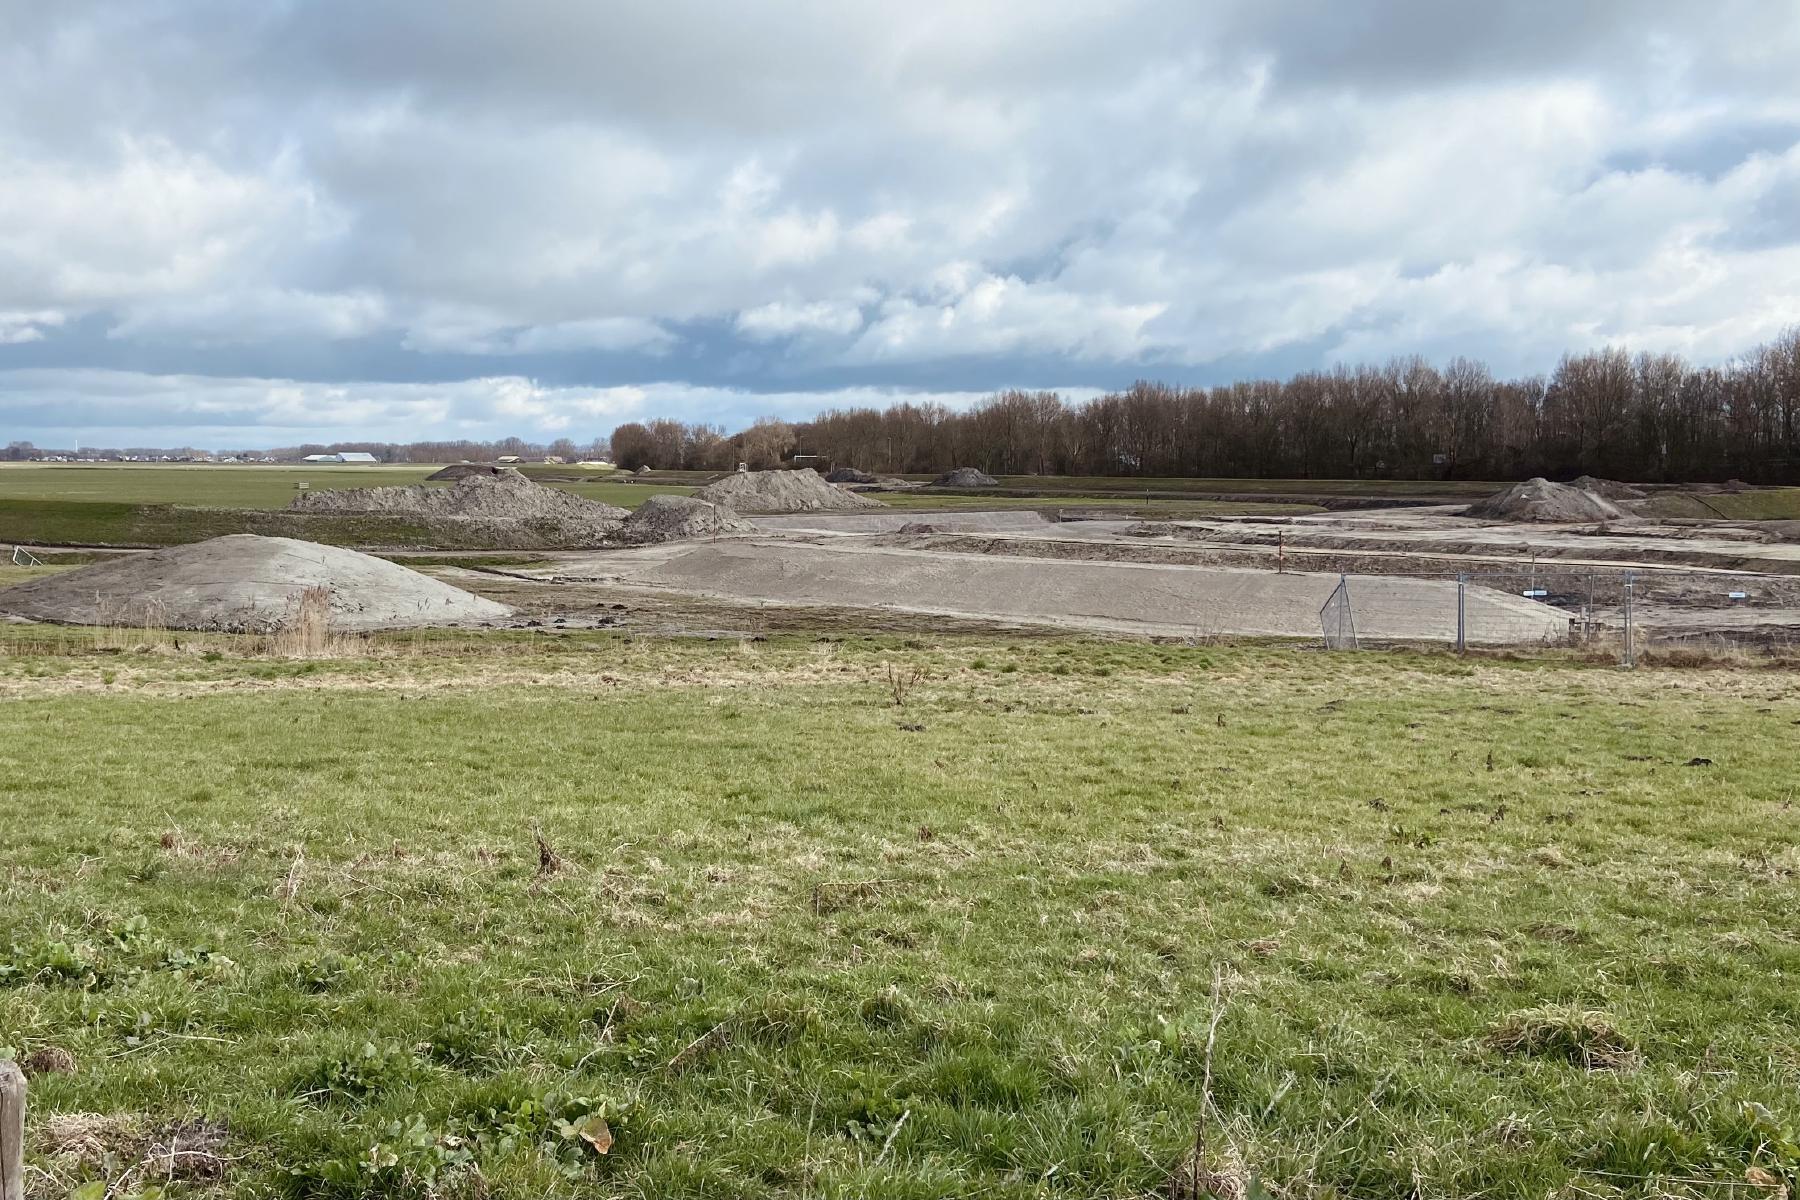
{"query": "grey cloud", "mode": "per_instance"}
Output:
(814, 194)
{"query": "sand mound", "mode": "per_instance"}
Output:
(245, 584)
(674, 518)
(505, 495)
(965, 477)
(1608, 489)
(781, 492)
(849, 475)
(463, 471)
(641, 471)
(1541, 500)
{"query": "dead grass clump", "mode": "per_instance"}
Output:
(1195, 1178)
(1585, 1037)
(308, 631)
(48, 1060)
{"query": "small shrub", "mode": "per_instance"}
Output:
(359, 1075)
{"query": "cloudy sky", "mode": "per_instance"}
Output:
(247, 224)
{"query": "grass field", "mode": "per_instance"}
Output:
(929, 501)
(447, 918)
(242, 487)
(133, 505)
(1771, 504)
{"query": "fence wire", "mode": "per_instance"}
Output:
(1627, 613)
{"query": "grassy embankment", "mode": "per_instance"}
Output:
(1473, 927)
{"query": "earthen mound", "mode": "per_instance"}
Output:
(246, 584)
(675, 518)
(1608, 489)
(965, 477)
(849, 475)
(505, 495)
(1541, 500)
(463, 471)
(781, 492)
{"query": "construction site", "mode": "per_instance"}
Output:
(1535, 564)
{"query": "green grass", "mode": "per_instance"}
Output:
(1475, 927)
(249, 487)
(1770, 504)
(1101, 484)
(1163, 508)
(214, 485)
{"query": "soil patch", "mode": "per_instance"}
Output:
(243, 583)
(781, 492)
(1541, 500)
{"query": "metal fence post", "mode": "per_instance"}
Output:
(1462, 609)
(12, 1131)
(1630, 659)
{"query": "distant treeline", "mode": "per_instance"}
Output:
(1649, 417)
(1652, 417)
(1608, 413)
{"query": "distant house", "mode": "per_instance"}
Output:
(348, 456)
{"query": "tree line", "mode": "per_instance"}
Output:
(1649, 417)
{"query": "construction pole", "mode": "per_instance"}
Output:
(1462, 610)
(1280, 551)
(1630, 589)
(12, 1131)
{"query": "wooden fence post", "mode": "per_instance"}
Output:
(12, 1132)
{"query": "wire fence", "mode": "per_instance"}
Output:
(1629, 613)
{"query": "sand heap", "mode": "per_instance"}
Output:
(1608, 489)
(965, 477)
(1541, 500)
(674, 518)
(245, 584)
(504, 496)
(463, 471)
(781, 492)
(849, 475)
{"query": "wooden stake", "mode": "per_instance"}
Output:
(12, 1132)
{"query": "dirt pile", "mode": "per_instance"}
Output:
(1541, 500)
(965, 477)
(849, 475)
(676, 518)
(505, 495)
(1608, 489)
(246, 584)
(781, 492)
(463, 471)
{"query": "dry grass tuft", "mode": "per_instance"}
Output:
(308, 632)
(1585, 1037)
(48, 1060)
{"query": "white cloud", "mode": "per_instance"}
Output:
(17, 328)
(780, 318)
(136, 408)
